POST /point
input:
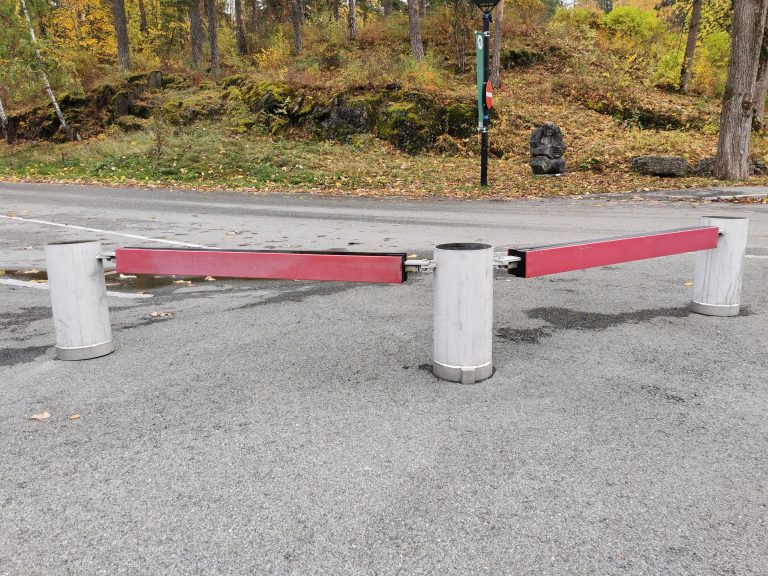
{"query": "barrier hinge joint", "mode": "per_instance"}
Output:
(502, 260)
(419, 265)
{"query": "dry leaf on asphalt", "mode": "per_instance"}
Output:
(209, 279)
(73, 417)
(161, 314)
(41, 416)
(688, 284)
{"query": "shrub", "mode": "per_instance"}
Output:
(633, 23)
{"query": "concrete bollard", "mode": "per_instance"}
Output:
(463, 312)
(78, 300)
(718, 272)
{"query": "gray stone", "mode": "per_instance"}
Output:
(705, 167)
(155, 80)
(547, 150)
(121, 104)
(758, 167)
(342, 118)
(669, 166)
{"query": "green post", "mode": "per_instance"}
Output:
(479, 44)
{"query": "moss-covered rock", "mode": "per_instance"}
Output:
(343, 117)
(460, 120)
(206, 104)
(269, 97)
(412, 124)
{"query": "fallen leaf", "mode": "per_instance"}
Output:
(41, 416)
(688, 284)
(27, 247)
(126, 276)
(161, 314)
(412, 255)
(179, 281)
(73, 417)
(38, 281)
(209, 279)
(33, 271)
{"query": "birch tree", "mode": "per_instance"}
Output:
(3, 121)
(352, 19)
(497, 40)
(48, 89)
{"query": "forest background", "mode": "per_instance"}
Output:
(363, 96)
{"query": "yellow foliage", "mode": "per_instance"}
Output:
(84, 25)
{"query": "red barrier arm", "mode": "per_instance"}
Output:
(324, 266)
(569, 256)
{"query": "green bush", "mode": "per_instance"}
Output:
(633, 23)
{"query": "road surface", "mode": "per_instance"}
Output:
(295, 427)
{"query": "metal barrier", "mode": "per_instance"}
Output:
(463, 284)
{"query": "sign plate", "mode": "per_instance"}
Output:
(489, 95)
(479, 42)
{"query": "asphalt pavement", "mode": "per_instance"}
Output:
(280, 427)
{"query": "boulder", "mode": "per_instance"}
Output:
(155, 80)
(412, 124)
(668, 166)
(547, 150)
(705, 167)
(460, 120)
(342, 117)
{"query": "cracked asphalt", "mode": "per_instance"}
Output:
(279, 427)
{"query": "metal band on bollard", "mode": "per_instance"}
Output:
(718, 272)
(463, 312)
(78, 300)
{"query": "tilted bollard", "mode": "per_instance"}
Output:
(78, 300)
(463, 312)
(718, 272)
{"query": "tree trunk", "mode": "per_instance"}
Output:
(296, 20)
(143, 28)
(414, 30)
(352, 19)
(460, 37)
(3, 121)
(732, 162)
(254, 21)
(422, 8)
(761, 86)
(335, 9)
(242, 45)
(387, 7)
(213, 37)
(70, 134)
(690, 47)
(497, 40)
(196, 32)
(121, 33)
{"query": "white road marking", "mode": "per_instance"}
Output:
(44, 286)
(135, 236)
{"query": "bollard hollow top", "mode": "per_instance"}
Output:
(727, 217)
(463, 246)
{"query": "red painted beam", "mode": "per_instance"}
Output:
(324, 266)
(569, 256)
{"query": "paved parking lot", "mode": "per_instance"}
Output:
(286, 427)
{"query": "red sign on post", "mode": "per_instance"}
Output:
(488, 95)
